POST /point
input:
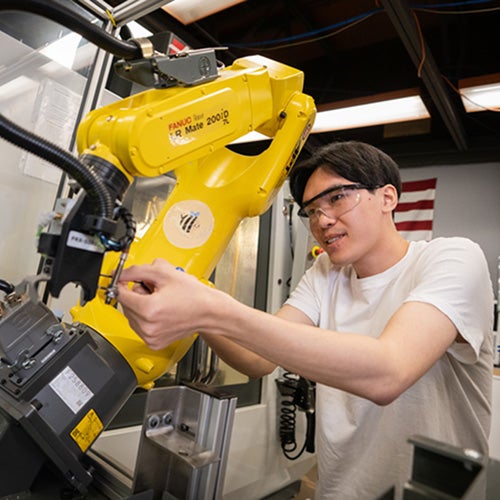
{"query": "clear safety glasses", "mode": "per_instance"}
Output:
(333, 202)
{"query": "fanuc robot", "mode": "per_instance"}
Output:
(61, 384)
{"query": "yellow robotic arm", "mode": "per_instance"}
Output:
(185, 130)
(61, 384)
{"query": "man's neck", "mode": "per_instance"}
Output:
(389, 252)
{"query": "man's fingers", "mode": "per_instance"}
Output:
(144, 273)
(130, 298)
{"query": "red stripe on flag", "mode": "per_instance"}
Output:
(410, 186)
(414, 225)
(416, 202)
(415, 205)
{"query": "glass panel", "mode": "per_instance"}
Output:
(43, 96)
(235, 275)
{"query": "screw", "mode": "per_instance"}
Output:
(167, 419)
(28, 363)
(153, 421)
(55, 331)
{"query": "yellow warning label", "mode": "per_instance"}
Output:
(87, 430)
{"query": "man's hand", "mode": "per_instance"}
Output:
(163, 304)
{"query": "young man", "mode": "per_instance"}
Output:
(397, 335)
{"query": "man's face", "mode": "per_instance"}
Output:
(345, 222)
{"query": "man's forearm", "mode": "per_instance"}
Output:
(239, 358)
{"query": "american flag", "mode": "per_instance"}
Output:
(415, 210)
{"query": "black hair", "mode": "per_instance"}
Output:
(356, 161)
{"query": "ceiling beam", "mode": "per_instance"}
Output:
(405, 24)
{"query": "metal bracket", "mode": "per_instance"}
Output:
(184, 69)
(443, 471)
(184, 443)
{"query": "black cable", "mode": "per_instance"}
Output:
(287, 418)
(125, 33)
(60, 13)
(287, 431)
(290, 226)
(6, 287)
(130, 228)
(96, 190)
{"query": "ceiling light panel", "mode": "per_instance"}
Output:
(189, 11)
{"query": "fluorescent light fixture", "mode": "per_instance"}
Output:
(189, 11)
(393, 107)
(384, 110)
(481, 93)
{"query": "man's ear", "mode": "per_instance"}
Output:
(390, 197)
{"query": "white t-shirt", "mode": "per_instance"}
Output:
(363, 448)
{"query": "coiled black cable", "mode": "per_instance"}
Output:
(60, 13)
(288, 412)
(287, 420)
(95, 188)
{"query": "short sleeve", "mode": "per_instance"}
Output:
(308, 294)
(452, 275)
